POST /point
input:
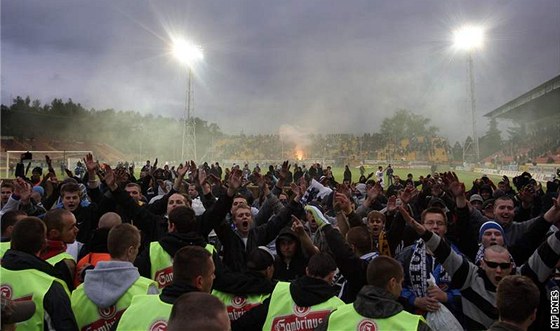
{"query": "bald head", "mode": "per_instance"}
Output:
(496, 249)
(109, 220)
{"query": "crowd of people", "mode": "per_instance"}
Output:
(330, 146)
(283, 247)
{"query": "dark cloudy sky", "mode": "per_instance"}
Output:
(316, 65)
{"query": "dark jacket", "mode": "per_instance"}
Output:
(154, 226)
(376, 303)
(225, 281)
(305, 291)
(501, 326)
(97, 243)
(56, 301)
(235, 251)
(296, 267)
(350, 265)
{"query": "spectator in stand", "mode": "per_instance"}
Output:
(26, 274)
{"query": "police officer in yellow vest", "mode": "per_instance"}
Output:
(300, 305)
(193, 270)
(26, 276)
(61, 230)
(260, 265)
(376, 306)
(108, 289)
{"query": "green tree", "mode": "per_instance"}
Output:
(405, 124)
(492, 140)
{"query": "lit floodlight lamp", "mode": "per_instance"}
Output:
(468, 38)
(186, 52)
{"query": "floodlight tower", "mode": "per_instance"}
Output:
(469, 39)
(188, 54)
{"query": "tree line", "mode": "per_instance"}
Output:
(146, 135)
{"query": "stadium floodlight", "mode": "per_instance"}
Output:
(188, 54)
(468, 38)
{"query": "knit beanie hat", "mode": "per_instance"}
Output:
(490, 225)
(39, 189)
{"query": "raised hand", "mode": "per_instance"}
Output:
(299, 190)
(203, 182)
(392, 204)
(553, 214)
(297, 225)
(374, 191)
(90, 164)
(406, 195)
(234, 182)
(419, 228)
(109, 177)
(182, 170)
(343, 202)
(284, 171)
(457, 189)
(49, 163)
(68, 172)
(22, 189)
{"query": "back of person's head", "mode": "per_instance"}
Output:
(517, 298)
(70, 187)
(109, 220)
(120, 240)
(53, 219)
(359, 237)
(183, 218)
(320, 265)
(195, 311)
(190, 262)
(381, 269)
(29, 235)
(260, 259)
(10, 218)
